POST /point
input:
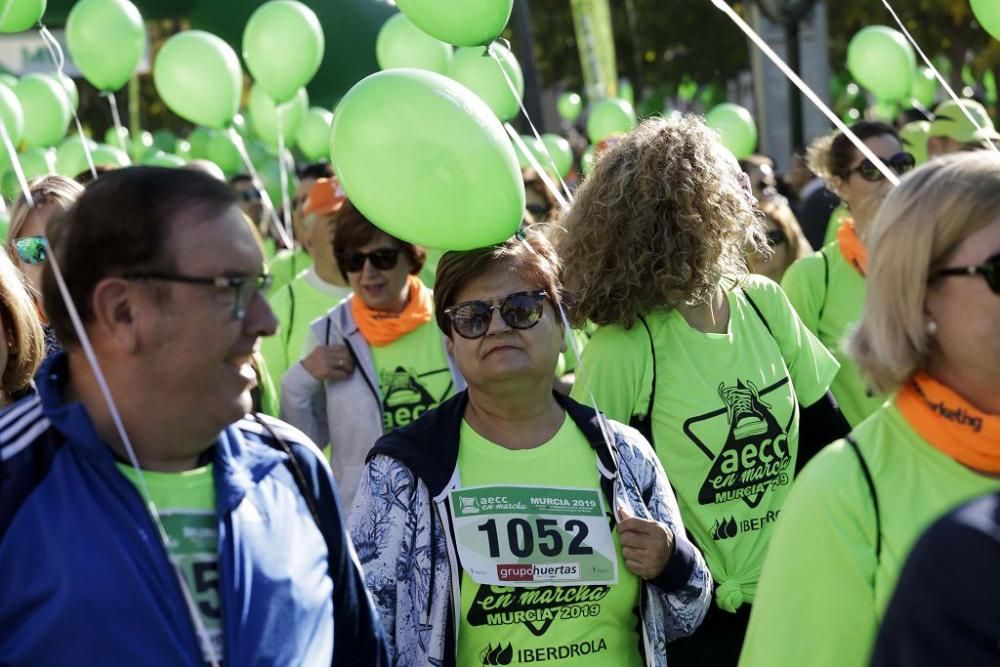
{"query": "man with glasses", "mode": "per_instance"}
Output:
(953, 131)
(144, 519)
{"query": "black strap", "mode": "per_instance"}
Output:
(871, 489)
(758, 311)
(826, 284)
(644, 423)
(296, 469)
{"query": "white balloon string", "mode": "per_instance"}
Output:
(55, 50)
(16, 164)
(286, 204)
(937, 73)
(542, 173)
(116, 118)
(3, 206)
(806, 90)
(531, 124)
(258, 185)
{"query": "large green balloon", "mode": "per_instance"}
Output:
(12, 118)
(608, 118)
(199, 77)
(569, 106)
(264, 115)
(402, 44)
(987, 13)
(70, 157)
(736, 127)
(440, 152)
(924, 88)
(559, 152)
(109, 156)
(46, 107)
(223, 152)
(20, 15)
(106, 39)
(459, 22)
(283, 46)
(881, 60)
(313, 138)
(38, 162)
(481, 74)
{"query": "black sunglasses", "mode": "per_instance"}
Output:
(520, 310)
(899, 163)
(989, 270)
(383, 259)
(776, 237)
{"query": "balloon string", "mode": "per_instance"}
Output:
(531, 124)
(286, 204)
(258, 185)
(937, 74)
(806, 90)
(55, 49)
(542, 173)
(119, 129)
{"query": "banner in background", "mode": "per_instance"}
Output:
(596, 42)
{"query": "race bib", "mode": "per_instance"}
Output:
(530, 536)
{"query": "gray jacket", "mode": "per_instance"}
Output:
(346, 414)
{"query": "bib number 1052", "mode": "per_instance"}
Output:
(522, 537)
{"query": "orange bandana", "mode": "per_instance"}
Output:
(950, 423)
(851, 247)
(381, 328)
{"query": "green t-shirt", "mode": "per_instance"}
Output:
(725, 419)
(286, 265)
(822, 592)
(595, 625)
(186, 504)
(837, 217)
(413, 375)
(829, 294)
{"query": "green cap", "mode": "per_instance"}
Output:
(914, 138)
(951, 122)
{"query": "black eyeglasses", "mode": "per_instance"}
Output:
(776, 237)
(899, 163)
(244, 287)
(521, 310)
(990, 270)
(383, 259)
(31, 249)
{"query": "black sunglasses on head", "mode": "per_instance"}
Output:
(899, 163)
(383, 259)
(520, 310)
(989, 270)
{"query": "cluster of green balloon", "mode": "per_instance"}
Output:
(137, 146)
(736, 128)
(552, 152)
(267, 116)
(71, 158)
(608, 118)
(20, 15)
(402, 44)
(47, 110)
(283, 46)
(987, 13)
(454, 175)
(106, 39)
(198, 76)
(569, 105)
(484, 74)
(459, 22)
(313, 138)
(881, 60)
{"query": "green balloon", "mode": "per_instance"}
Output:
(69, 86)
(106, 39)
(534, 146)
(161, 159)
(12, 118)
(199, 78)
(270, 175)
(588, 160)
(459, 22)
(736, 128)
(4, 224)
(987, 13)
(20, 15)
(569, 105)
(241, 126)
(8, 80)
(199, 139)
(37, 162)
(223, 152)
(914, 137)
(10, 187)
(183, 149)
(610, 117)
(924, 88)
(626, 91)
(402, 44)
(482, 74)
(109, 156)
(283, 46)
(885, 111)
(881, 60)
(116, 137)
(46, 107)
(71, 159)
(313, 138)
(164, 140)
(559, 152)
(264, 115)
(438, 149)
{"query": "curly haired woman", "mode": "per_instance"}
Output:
(709, 362)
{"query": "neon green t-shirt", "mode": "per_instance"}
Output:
(594, 625)
(413, 375)
(823, 593)
(725, 419)
(186, 503)
(286, 265)
(837, 217)
(829, 300)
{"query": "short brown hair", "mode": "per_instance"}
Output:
(529, 252)
(22, 328)
(353, 230)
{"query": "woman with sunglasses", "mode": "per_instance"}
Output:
(784, 237)
(26, 244)
(375, 362)
(513, 525)
(828, 287)
(928, 336)
(22, 343)
(710, 362)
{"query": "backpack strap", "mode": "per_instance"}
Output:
(644, 424)
(757, 310)
(871, 489)
(826, 283)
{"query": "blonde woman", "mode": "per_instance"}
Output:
(710, 363)
(929, 336)
(21, 339)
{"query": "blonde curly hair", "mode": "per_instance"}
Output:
(663, 221)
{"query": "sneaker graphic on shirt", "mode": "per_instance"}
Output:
(404, 398)
(745, 409)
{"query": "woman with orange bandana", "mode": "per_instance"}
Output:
(827, 288)
(375, 362)
(928, 336)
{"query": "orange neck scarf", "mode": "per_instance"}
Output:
(950, 423)
(851, 247)
(381, 328)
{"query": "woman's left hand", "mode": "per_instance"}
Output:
(646, 545)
